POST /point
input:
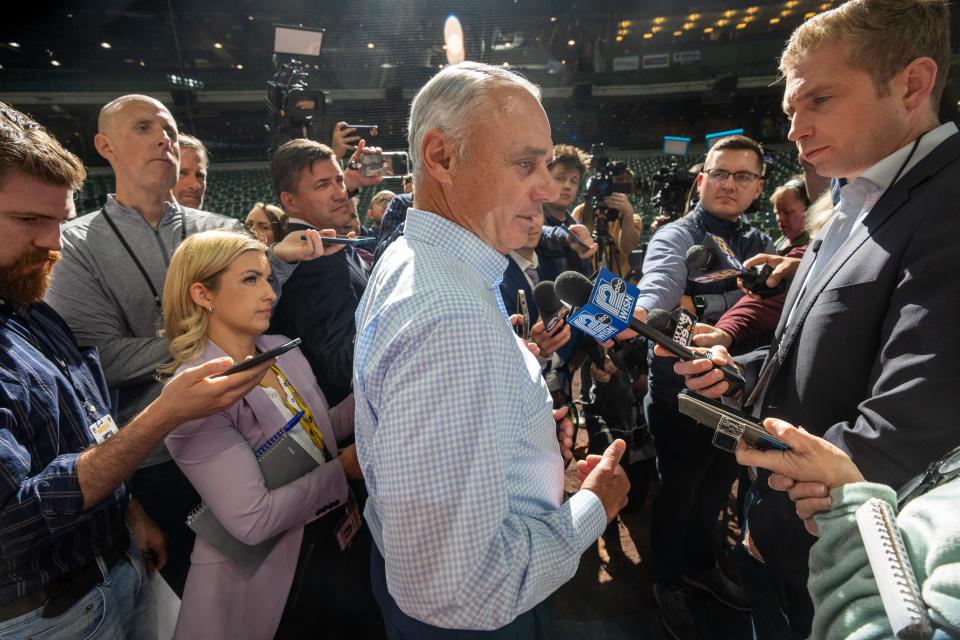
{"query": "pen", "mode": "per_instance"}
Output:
(294, 421)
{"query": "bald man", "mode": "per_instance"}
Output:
(108, 286)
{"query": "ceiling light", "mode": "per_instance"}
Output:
(217, 45)
(693, 16)
(238, 67)
(722, 22)
(553, 18)
(571, 42)
(105, 45)
(655, 29)
(708, 30)
(677, 33)
(742, 25)
(785, 12)
(626, 23)
(619, 38)
(250, 18)
(15, 45)
(55, 63)
(824, 6)
(370, 45)
(774, 20)
(142, 63)
(809, 14)
(647, 36)
(729, 13)
(659, 20)
(753, 10)
(687, 26)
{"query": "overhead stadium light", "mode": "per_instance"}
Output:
(453, 38)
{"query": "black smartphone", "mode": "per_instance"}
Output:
(365, 131)
(266, 355)
(360, 241)
(729, 424)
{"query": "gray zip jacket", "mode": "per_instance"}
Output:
(106, 300)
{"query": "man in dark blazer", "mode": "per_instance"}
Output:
(320, 298)
(863, 354)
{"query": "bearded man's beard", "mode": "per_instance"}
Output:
(23, 282)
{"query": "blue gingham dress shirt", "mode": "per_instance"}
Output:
(456, 439)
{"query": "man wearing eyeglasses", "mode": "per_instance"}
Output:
(695, 476)
(377, 206)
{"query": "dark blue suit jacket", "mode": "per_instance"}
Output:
(513, 280)
(318, 304)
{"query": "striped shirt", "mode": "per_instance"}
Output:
(456, 439)
(50, 393)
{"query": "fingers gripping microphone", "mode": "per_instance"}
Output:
(575, 289)
(678, 324)
(713, 261)
(551, 308)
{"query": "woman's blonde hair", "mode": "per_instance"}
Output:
(203, 257)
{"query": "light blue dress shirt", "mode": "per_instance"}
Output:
(456, 438)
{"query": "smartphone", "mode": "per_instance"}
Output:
(729, 424)
(266, 355)
(365, 131)
(361, 241)
(387, 164)
(524, 310)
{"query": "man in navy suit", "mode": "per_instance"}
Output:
(320, 298)
(863, 354)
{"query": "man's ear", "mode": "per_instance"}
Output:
(103, 146)
(289, 203)
(759, 189)
(918, 79)
(439, 156)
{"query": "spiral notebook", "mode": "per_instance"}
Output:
(282, 460)
(892, 570)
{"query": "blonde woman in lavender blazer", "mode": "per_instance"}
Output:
(217, 303)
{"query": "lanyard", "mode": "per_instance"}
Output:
(133, 256)
(307, 421)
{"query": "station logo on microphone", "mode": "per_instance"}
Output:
(610, 308)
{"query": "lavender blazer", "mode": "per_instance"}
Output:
(216, 454)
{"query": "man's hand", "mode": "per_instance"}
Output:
(686, 303)
(807, 471)
(298, 246)
(604, 375)
(351, 465)
(549, 343)
(586, 247)
(604, 476)
(707, 335)
(344, 138)
(621, 203)
(658, 222)
(564, 432)
(150, 540)
(516, 320)
(783, 267)
(195, 393)
(353, 177)
(700, 375)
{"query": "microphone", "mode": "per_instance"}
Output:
(551, 308)
(679, 324)
(575, 290)
(701, 260)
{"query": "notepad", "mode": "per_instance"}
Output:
(892, 570)
(282, 462)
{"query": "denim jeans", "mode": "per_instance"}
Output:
(121, 607)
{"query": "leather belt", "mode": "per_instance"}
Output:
(58, 595)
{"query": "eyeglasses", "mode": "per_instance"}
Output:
(742, 178)
(943, 470)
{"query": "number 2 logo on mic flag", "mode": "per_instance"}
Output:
(609, 309)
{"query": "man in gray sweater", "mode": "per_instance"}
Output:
(108, 288)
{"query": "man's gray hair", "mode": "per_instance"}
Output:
(447, 101)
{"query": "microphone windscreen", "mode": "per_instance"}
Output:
(659, 320)
(574, 288)
(545, 295)
(699, 258)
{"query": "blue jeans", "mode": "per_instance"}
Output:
(121, 607)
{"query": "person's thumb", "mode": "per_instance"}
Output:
(211, 368)
(614, 452)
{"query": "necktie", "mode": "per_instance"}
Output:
(533, 274)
